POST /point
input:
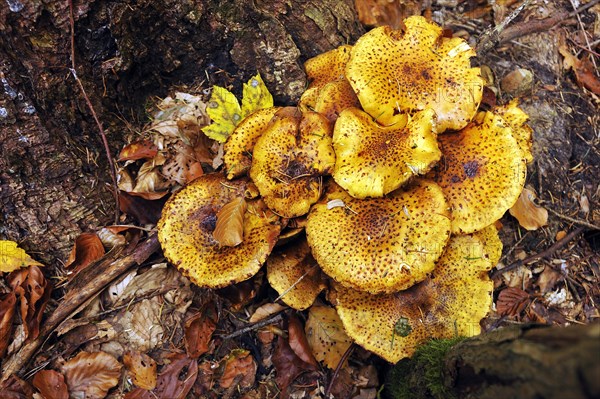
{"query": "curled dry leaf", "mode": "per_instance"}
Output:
(91, 375)
(174, 381)
(141, 368)
(298, 342)
(266, 310)
(87, 249)
(33, 291)
(239, 367)
(529, 215)
(7, 312)
(142, 149)
(229, 230)
(51, 384)
(15, 388)
(511, 301)
(326, 335)
(199, 329)
(13, 257)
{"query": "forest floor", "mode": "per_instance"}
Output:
(181, 340)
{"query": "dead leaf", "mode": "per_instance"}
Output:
(142, 149)
(386, 12)
(530, 216)
(266, 310)
(548, 279)
(288, 365)
(143, 210)
(205, 380)
(87, 249)
(239, 367)
(326, 335)
(199, 329)
(229, 230)
(174, 381)
(512, 301)
(91, 375)
(583, 69)
(298, 342)
(7, 311)
(239, 295)
(33, 291)
(15, 388)
(141, 368)
(51, 384)
(12, 257)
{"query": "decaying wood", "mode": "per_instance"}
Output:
(84, 286)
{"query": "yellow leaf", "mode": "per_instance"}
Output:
(326, 335)
(256, 96)
(224, 111)
(13, 258)
(229, 230)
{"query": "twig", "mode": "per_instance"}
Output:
(548, 251)
(573, 220)
(88, 283)
(489, 38)
(111, 164)
(337, 369)
(259, 324)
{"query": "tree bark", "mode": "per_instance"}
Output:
(53, 171)
(520, 362)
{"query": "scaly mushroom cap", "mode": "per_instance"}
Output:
(372, 160)
(491, 241)
(482, 172)
(379, 245)
(327, 67)
(186, 226)
(335, 97)
(450, 303)
(289, 160)
(294, 274)
(393, 73)
(516, 118)
(240, 144)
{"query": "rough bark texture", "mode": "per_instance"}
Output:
(53, 174)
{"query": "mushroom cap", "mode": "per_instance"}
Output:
(482, 172)
(379, 245)
(327, 67)
(451, 302)
(289, 160)
(373, 160)
(392, 72)
(294, 274)
(335, 97)
(516, 118)
(491, 241)
(186, 226)
(238, 148)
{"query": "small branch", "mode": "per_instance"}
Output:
(490, 37)
(573, 220)
(547, 252)
(259, 324)
(111, 164)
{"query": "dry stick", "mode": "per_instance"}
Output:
(259, 324)
(338, 368)
(489, 38)
(111, 164)
(90, 281)
(573, 220)
(548, 251)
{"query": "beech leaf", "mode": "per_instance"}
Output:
(256, 96)
(33, 291)
(175, 380)
(299, 343)
(142, 369)
(91, 375)
(239, 366)
(199, 329)
(143, 149)
(224, 111)
(229, 230)
(326, 335)
(12, 257)
(87, 249)
(529, 215)
(51, 384)
(265, 311)
(7, 311)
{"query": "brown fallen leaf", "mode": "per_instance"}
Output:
(548, 279)
(91, 375)
(15, 388)
(143, 210)
(530, 216)
(87, 249)
(229, 230)
(583, 69)
(142, 149)
(386, 12)
(298, 342)
(266, 310)
(239, 367)
(205, 380)
(12, 257)
(326, 335)
(199, 329)
(51, 384)
(174, 381)
(33, 291)
(8, 304)
(141, 368)
(288, 366)
(511, 301)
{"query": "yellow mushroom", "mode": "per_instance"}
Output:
(373, 160)
(379, 245)
(394, 72)
(517, 119)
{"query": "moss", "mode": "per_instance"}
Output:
(421, 376)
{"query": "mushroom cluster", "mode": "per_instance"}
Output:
(382, 186)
